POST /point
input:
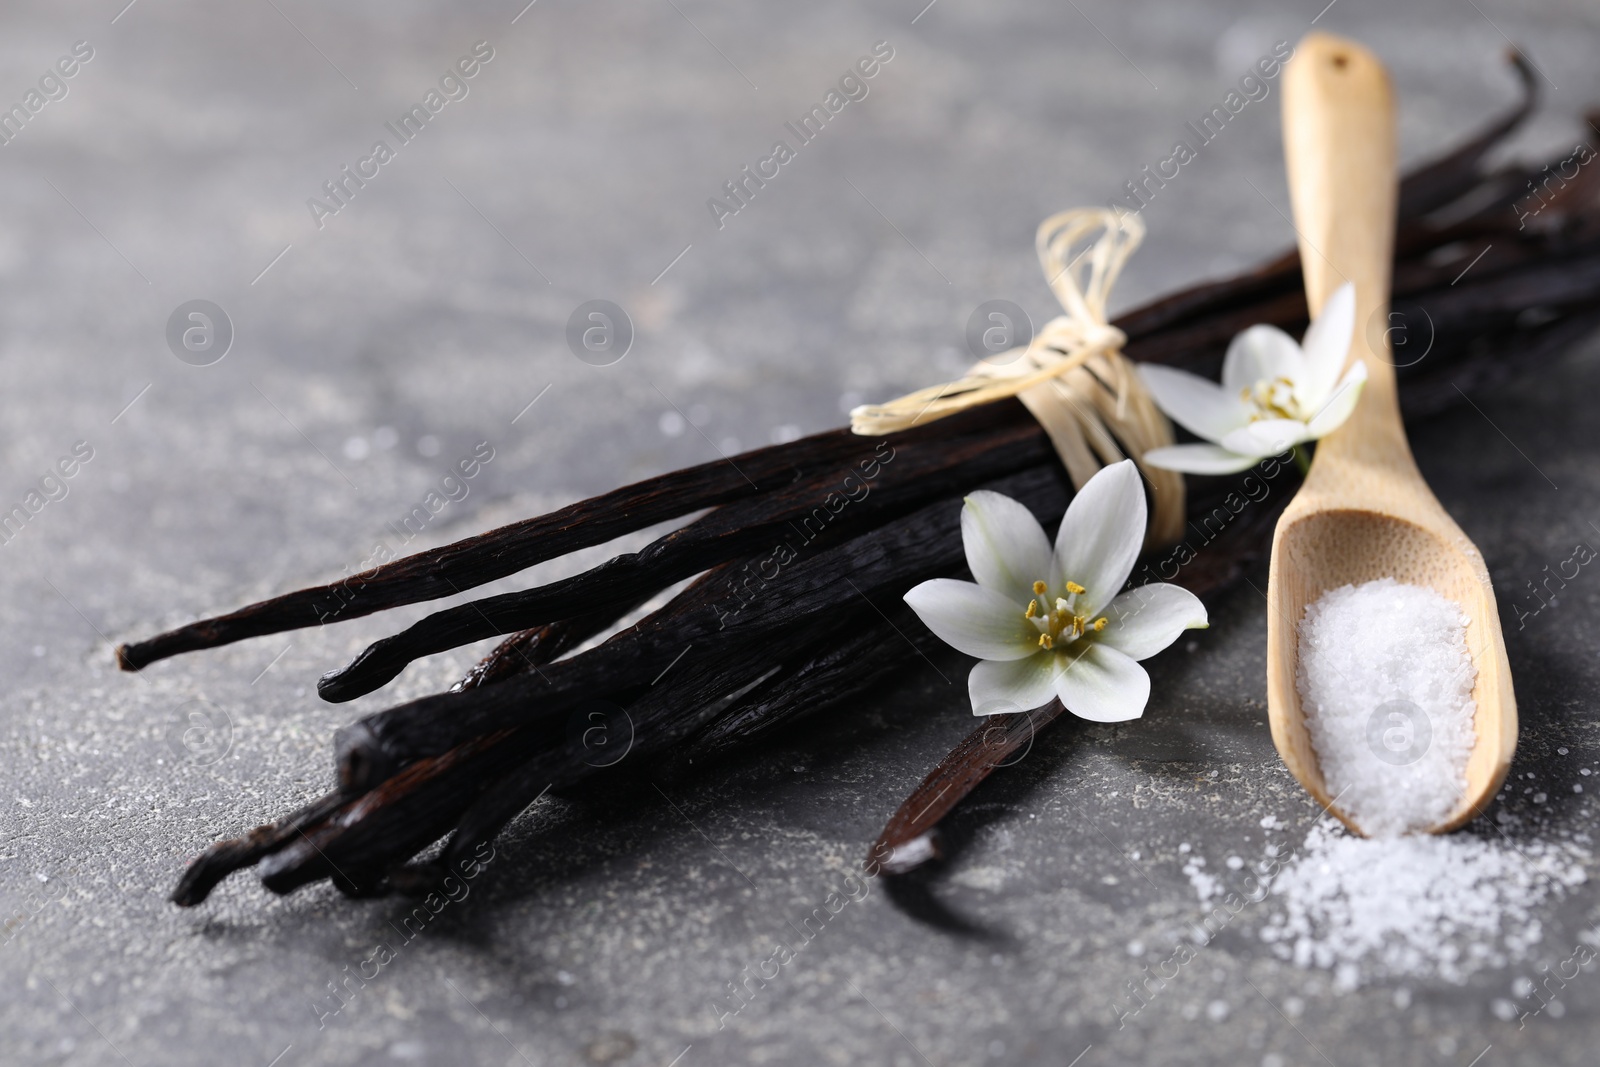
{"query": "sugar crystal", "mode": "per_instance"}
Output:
(1385, 683)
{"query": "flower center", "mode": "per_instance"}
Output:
(1059, 624)
(1272, 399)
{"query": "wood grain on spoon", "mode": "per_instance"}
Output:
(1365, 511)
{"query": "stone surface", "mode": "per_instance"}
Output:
(427, 314)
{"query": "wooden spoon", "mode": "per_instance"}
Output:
(1365, 511)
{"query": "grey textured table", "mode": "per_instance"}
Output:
(375, 346)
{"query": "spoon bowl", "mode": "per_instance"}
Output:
(1365, 512)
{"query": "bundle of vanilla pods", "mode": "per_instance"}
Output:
(799, 564)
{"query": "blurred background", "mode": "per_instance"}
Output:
(348, 359)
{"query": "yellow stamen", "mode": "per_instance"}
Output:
(1045, 642)
(1033, 609)
(1074, 587)
(1039, 588)
(1271, 399)
(1100, 623)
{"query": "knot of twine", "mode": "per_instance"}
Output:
(1072, 376)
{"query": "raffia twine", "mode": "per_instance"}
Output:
(1072, 376)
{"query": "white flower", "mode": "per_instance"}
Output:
(1274, 394)
(1049, 624)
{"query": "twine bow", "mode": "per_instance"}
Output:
(1072, 376)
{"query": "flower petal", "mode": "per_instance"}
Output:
(1103, 685)
(1261, 353)
(1326, 346)
(1266, 437)
(1007, 549)
(1202, 407)
(1100, 535)
(1017, 685)
(974, 620)
(1338, 407)
(1199, 459)
(1144, 620)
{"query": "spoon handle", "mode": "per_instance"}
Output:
(1339, 144)
(1365, 511)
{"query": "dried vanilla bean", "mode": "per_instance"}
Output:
(1456, 173)
(224, 857)
(474, 561)
(659, 721)
(367, 836)
(867, 648)
(898, 553)
(888, 483)
(528, 650)
(370, 833)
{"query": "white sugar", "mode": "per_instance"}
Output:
(1385, 683)
(1415, 906)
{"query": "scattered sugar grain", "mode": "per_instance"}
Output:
(1416, 906)
(1385, 682)
(1205, 884)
